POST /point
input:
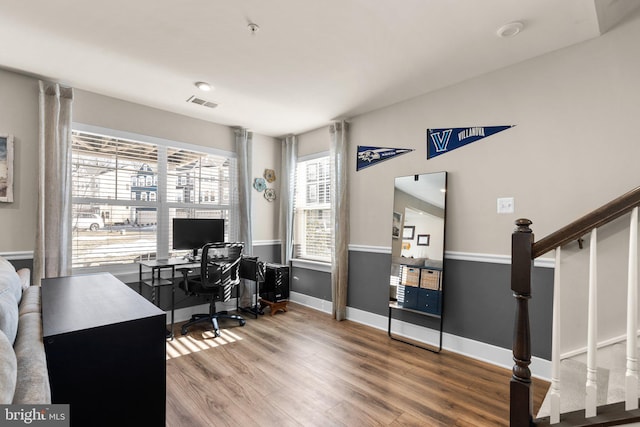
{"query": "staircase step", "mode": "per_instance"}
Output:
(573, 378)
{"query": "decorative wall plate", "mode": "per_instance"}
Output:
(259, 184)
(270, 194)
(269, 175)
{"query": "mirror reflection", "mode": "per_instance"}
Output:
(417, 247)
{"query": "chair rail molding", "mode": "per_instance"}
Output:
(16, 255)
(462, 256)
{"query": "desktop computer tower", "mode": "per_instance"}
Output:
(276, 283)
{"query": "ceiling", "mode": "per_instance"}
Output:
(311, 62)
(428, 187)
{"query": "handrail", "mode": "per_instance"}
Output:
(578, 228)
(523, 251)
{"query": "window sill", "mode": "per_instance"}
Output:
(311, 265)
(127, 273)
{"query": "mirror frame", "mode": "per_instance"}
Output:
(412, 271)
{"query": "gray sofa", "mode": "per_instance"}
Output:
(24, 378)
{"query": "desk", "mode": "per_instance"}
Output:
(105, 350)
(156, 267)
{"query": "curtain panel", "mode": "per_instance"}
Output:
(52, 255)
(287, 188)
(244, 150)
(340, 219)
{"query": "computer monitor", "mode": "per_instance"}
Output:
(194, 233)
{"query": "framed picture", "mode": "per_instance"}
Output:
(423, 239)
(397, 223)
(408, 231)
(6, 168)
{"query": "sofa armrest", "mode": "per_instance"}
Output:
(25, 277)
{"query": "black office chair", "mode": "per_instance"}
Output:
(219, 273)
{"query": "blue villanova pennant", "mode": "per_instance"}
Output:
(369, 156)
(441, 141)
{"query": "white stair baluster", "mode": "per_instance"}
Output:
(631, 376)
(554, 395)
(592, 330)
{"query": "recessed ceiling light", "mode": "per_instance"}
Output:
(203, 86)
(509, 30)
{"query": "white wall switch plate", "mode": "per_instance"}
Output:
(505, 205)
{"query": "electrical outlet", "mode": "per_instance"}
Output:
(505, 205)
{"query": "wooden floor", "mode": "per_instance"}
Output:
(301, 368)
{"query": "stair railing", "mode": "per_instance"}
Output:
(524, 250)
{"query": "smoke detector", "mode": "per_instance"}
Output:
(511, 29)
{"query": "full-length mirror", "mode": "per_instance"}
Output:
(417, 242)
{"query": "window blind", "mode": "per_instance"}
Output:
(312, 210)
(133, 190)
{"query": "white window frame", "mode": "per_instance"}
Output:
(163, 206)
(308, 263)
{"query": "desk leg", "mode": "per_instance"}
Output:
(153, 284)
(173, 299)
(254, 307)
(173, 304)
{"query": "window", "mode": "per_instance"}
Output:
(312, 216)
(125, 193)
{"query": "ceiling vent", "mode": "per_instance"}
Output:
(195, 100)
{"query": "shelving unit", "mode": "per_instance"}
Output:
(420, 292)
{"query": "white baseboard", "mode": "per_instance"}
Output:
(312, 302)
(540, 368)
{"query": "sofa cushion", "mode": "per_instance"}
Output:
(10, 279)
(8, 314)
(30, 300)
(8, 370)
(33, 387)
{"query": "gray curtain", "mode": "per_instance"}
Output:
(340, 219)
(52, 256)
(287, 187)
(244, 150)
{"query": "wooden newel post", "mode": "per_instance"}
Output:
(521, 403)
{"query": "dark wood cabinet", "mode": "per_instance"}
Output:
(106, 353)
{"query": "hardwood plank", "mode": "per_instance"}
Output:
(301, 368)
